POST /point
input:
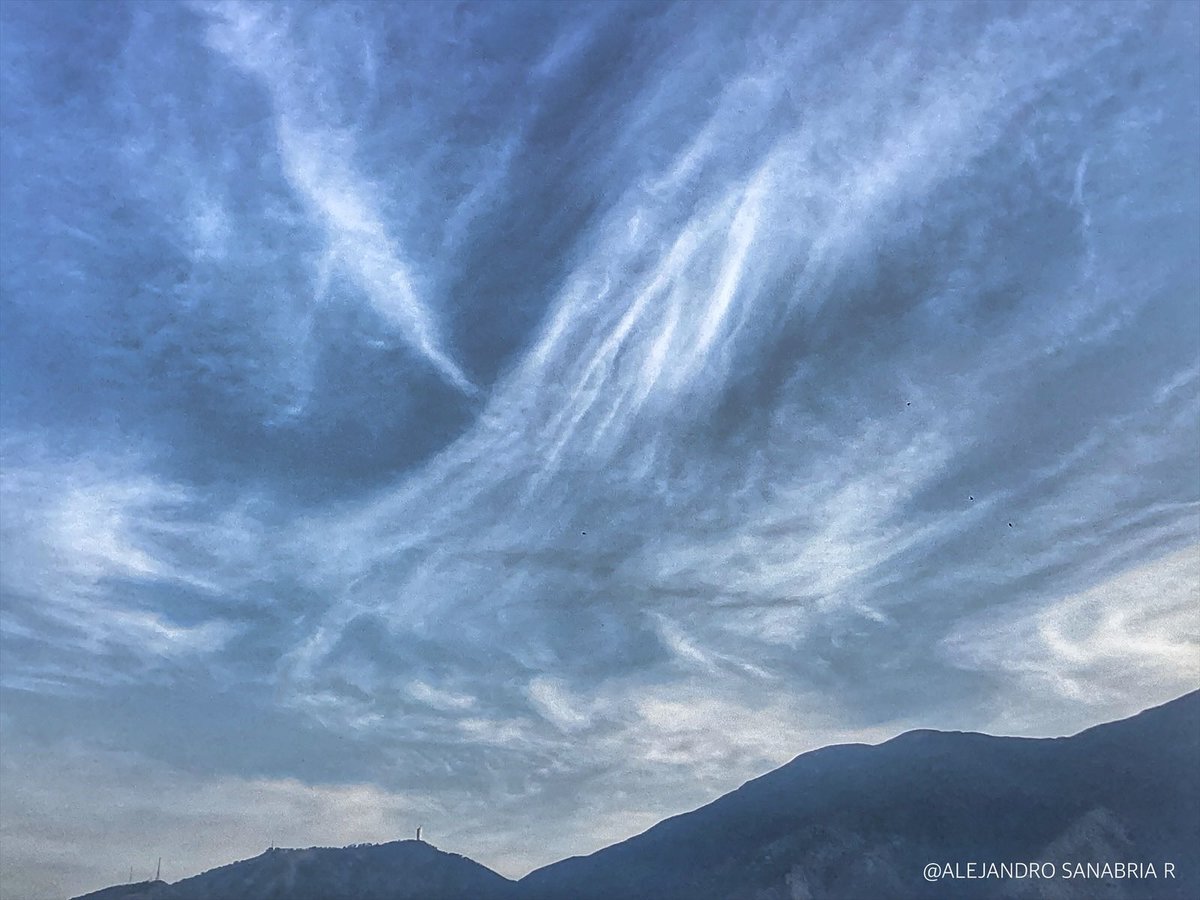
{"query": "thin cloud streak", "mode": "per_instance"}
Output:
(317, 160)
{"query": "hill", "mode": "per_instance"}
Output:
(400, 870)
(857, 821)
(840, 823)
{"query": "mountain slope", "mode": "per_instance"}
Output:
(401, 870)
(857, 821)
(141, 890)
(840, 823)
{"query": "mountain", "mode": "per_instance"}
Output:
(401, 870)
(141, 890)
(859, 821)
(840, 823)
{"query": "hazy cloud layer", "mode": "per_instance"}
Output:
(531, 420)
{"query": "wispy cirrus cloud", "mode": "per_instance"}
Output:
(595, 402)
(1133, 634)
(78, 536)
(318, 161)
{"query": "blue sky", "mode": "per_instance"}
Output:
(533, 420)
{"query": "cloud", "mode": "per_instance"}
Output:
(614, 482)
(1102, 649)
(576, 411)
(555, 704)
(111, 574)
(438, 698)
(317, 159)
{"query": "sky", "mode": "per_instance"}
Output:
(532, 420)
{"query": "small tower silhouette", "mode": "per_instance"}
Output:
(418, 832)
(158, 871)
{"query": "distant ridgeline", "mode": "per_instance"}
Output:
(842, 823)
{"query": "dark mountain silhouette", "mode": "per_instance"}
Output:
(140, 890)
(860, 821)
(401, 870)
(850, 821)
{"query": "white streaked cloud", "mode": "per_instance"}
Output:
(554, 702)
(80, 537)
(582, 451)
(439, 698)
(1101, 650)
(318, 160)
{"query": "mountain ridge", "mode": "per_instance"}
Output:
(842, 821)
